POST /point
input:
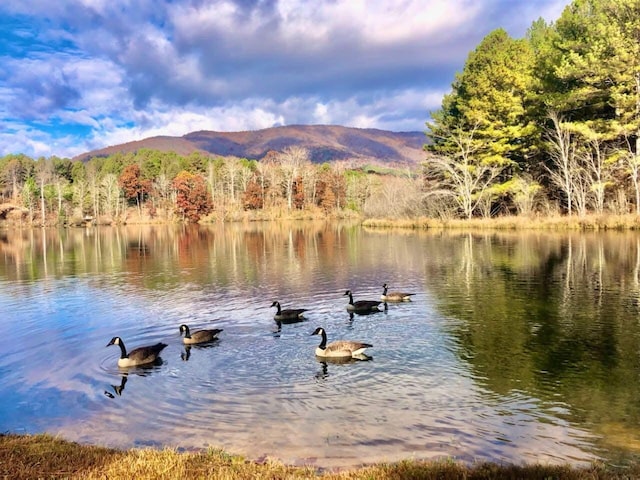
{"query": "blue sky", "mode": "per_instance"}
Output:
(84, 74)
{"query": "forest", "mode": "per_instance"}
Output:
(544, 125)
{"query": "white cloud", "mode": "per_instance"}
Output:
(125, 70)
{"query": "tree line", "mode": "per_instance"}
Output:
(545, 124)
(157, 185)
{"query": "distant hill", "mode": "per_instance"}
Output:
(325, 143)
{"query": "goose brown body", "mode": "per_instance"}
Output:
(394, 296)
(137, 356)
(339, 348)
(199, 336)
(362, 305)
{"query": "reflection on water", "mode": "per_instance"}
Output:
(516, 347)
(118, 389)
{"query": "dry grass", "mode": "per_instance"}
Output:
(557, 223)
(43, 456)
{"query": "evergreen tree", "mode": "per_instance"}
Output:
(490, 98)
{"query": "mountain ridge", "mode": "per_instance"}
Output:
(325, 143)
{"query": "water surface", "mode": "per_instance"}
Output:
(515, 348)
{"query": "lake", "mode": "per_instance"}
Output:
(516, 347)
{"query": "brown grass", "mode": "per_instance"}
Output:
(43, 456)
(558, 223)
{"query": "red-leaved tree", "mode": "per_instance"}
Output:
(193, 200)
(134, 186)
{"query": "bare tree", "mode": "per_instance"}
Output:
(215, 181)
(563, 155)
(262, 171)
(631, 163)
(232, 167)
(245, 175)
(581, 188)
(600, 173)
(60, 183)
(309, 176)
(110, 194)
(29, 197)
(79, 196)
(44, 175)
(394, 197)
(462, 175)
(525, 192)
(163, 191)
(93, 182)
(292, 159)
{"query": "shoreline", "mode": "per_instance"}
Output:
(589, 223)
(46, 456)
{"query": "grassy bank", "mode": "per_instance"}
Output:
(559, 223)
(43, 456)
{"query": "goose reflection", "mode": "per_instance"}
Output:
(279, 323)
(323, 373)
(186, 354)
(118, 389)
(364, 313)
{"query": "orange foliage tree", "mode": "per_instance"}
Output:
(193, 200)
(253, 196)
(134, 186)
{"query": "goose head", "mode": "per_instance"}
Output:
(318, 331)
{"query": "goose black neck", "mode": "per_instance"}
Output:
(350, 298)
(278, 307)
(323, 343)
(123, 350)
(187, 332)
(385, 290)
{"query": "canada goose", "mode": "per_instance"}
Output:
(200, 336)
(339, 348)
(394, 296)
(137, 356)
(290, 314)
(362, 305)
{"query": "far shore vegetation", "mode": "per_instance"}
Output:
(45, 456)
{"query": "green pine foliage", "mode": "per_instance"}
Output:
(577, 80)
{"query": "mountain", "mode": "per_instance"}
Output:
(325, 143)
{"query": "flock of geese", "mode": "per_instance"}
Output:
(340, 349)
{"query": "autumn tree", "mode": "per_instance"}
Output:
(253, 198)
(133, 185)
(193, 200)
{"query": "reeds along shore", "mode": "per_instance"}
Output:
(560, 223)
(44, 456)
(573, 223)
